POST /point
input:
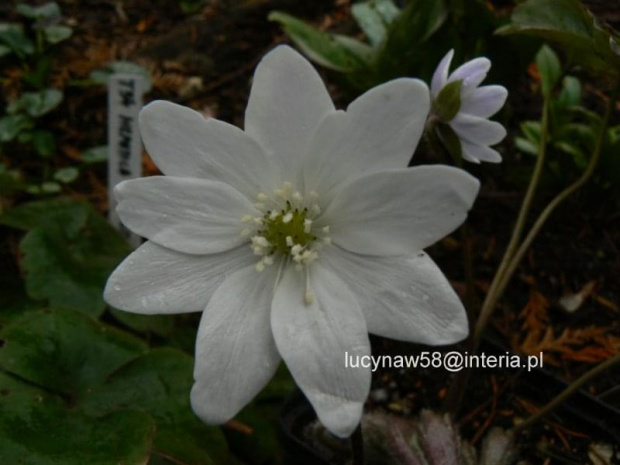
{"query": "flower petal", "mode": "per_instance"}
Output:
(484, 101)
(440, 77)
(287, 102)
(235, 351)
(380, 130)
(314, 340)
(472, 73)
(478, 130)
(154, 279)
(184, 214)
(413, 301)
(480, 153)
(183, 143)
(398, 212)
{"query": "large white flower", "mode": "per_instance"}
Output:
(296, 237)
(475, 132)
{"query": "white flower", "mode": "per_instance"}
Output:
(297, 237)
(475, 132)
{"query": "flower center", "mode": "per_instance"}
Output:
(286, 230)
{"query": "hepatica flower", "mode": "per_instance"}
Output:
(465, 107)
(295, 237)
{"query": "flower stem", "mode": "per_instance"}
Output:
(569, 391)
(357, 445)
(514, 263)
(492, 295)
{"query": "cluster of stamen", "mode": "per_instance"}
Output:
(286, 229)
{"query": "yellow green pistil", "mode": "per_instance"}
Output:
(286, 230)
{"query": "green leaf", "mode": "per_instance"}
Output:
(43, 430)
(374, 17)
(39, 76)
(526, 146)
(159, 384)
(64, 351)
(571, 92)
(161, 325)
(448, 102)
(568, 24)
(57, 33)
(102, 76)
(49, 10)
(44, 143)
(37, 104)
(550, 69)
(12, 125)
(96, 154)
(532, 130)
(4, 50)
(335, 52)
(69, 254)
(13, 36)
(66, 175)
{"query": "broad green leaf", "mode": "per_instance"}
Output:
(12, 125)
(49, 10)
(57, 33)
(550, 69)
(43, 430)
(69, 252)
(159, 384)
(66, 175)
(64, 351)
(335, 52)
(37, 104)
(568, 24)
(161, 325)
(44, 142)
(13, 36)
(102, 76)
(448, 102)
(96, 154)
(374, 17)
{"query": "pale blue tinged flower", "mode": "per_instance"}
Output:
(477, 103)
(296, 236)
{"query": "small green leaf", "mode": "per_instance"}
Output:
(49, 10)
(64, 351)
(50, 187)
(13, 36)
(57, 33)
(335, 52)
(37, 104)
(448, 102)
(44, 143)
(374, 17)
(550, 69)
(66, 175)
(12, 125)
(526, 146)
(570, 95)
(102, 76)
(96, 154)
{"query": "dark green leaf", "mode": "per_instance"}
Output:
(96, 154)
(39, 76)
(374, 17)
(550, 69)
(64, 351)
(57, 33)
(12, 125)
(71, 214)
(13, 36)
(44, 143)
(335, 52)
(448, 102)
(161, 325)
(159, 384)
(37, 104)
(48, 10)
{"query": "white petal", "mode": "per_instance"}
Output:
(440, 77)
(184, 214)
(480, 152)
(472, 73)
(398, 212)
(183, 143)
(379, 130)
(235, 351)
(314, 340)
(154, 279)
(484, 101)
(287, 102)
(405, 298)
(478, 130)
